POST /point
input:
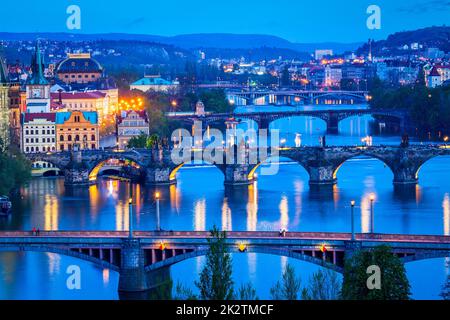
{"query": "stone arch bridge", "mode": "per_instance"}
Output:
(144, 257)
(331, 117)
(238, 166)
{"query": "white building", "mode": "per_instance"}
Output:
(319, 54)
(38, 132)
(154, 83)
(131, 124)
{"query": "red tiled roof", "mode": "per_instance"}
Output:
(142, 114)
(434, 72)
(78, 95)
(27, 117)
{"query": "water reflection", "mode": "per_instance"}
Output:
(200, 200)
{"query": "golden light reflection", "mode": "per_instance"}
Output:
(252, 207)
(175, 197)
(446, 207)
(365, 213)
(226, 216)
(122, 216)
(54, 263)
(94, 197)
(51, 212)
(200, 215)
(284, 212)
(298, 188)
(105, 276)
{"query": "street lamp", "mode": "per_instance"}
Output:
(130, 215)
(372, 199)
(353, 219)
(158, 224)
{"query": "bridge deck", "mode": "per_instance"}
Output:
(236, 235)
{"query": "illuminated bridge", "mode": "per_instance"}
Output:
(296, 97)
(331, 117)
(141, 259)
(157, 167)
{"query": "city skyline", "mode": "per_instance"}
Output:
(336, 23)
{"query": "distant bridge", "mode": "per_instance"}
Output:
(139, 258)
(331, 117)
(296, 97)
(156, 166)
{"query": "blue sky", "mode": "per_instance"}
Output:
(295, 20)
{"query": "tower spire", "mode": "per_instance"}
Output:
(37, 67)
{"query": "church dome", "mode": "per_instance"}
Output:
(79, 63)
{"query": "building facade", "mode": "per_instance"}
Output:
(4, 106)
(131, 124)
(77, 128)
(79, 68)
(38, 132)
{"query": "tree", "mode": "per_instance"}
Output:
(323, 285)
(288, 288)
(183, 293)
(285, 77)
(394, 283)
(15, 171)
(215, 101)
(445, 293)
(216, 281)
(247, 292)
(138, 142)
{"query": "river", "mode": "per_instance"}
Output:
(200, 200)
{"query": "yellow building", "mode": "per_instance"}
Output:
(77, 128)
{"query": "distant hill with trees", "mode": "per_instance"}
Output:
(431, 37)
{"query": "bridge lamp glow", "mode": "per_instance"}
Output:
(352, 203)
(372, 197)
(162, 245)
(157, 195)
(130, 201)
(242, 247)
(323, 248)
(446, 139)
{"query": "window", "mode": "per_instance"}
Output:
(93, 137)
(77, 138)
(69, 138)
(93, 146)
(61, 147)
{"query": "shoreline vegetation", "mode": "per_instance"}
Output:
(15, 170)
(429, 108)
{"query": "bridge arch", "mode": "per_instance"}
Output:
(252, 172)
(127, 160)
(62, 251)
(362, 155)
(263, 250)
(425, 162)
(174, 170)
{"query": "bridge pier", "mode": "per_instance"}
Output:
(76, 177)
(133, 278)
(159, 176)
(322, 176)
(238, 175)
(332, 123)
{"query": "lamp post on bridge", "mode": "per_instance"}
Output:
(372, 219)
(353, 219)
(130, 213)
(158, 221)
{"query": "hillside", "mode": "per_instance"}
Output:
(436, 37)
